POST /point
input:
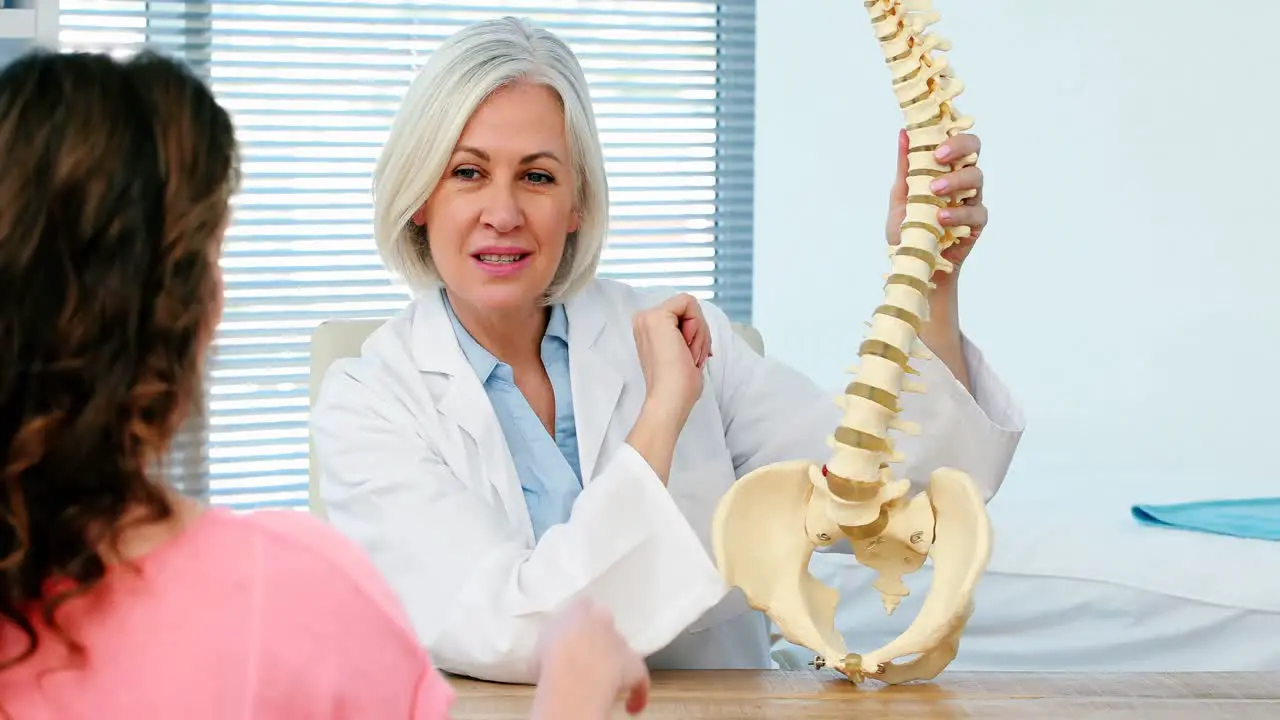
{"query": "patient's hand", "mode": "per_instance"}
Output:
(585, 665)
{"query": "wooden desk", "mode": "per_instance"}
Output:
(776, 695)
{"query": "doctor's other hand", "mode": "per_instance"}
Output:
(972, 212)
(585, 665)
(673, 342)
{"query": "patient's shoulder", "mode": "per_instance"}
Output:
(334, 636)
(303, 554)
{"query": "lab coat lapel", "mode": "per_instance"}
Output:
(465, 402)
(596, 374)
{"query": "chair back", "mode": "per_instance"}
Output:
(330, 341)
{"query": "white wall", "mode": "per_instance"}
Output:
(25, 24)
(1125, 286)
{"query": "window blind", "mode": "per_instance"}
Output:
(313, 86)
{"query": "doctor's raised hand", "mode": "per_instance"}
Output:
(525, 434)
(942, 332)
(972, 213)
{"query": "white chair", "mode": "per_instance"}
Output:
(333, 339)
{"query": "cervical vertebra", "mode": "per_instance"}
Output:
(771, 521)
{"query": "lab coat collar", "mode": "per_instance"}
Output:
(436, 350)
(483, 361)
(596, 361)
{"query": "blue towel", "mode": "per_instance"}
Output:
(1256, 518)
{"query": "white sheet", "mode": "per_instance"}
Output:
(1067, 593)
(1091, 536)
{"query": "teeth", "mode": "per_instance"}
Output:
(500, 258)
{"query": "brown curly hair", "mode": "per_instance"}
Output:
(115, 190)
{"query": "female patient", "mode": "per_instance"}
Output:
(524, 432)
(118, 598)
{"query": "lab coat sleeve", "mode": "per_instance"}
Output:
(476, 593)
(773, 412)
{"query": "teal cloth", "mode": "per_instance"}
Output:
(1255, 518)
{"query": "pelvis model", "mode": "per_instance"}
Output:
(772, 520)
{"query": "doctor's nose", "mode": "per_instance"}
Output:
(501, 211)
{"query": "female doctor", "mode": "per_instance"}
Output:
(524, 433)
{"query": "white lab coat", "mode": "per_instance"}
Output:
(414, 468)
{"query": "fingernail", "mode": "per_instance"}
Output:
(942, 152)
(944, 214)
(938, 185)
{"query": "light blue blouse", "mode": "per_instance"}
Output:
(548, 466)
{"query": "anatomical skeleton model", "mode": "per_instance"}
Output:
(772, 520)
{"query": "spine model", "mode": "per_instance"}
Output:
(769, 524)
(858, 474)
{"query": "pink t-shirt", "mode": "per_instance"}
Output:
(269, 615)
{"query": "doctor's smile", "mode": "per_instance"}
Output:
(502, 261)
